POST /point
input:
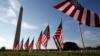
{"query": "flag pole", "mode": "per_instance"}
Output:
(47, 42)
(81, 38)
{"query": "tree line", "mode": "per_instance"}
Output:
(67, 46)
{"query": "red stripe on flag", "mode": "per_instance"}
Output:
(88, 18)
(43, 40)
(80, 15)
(38, 43)
(67, 8)
(97, 22)
(73, 12)
(57, 42)
(60, 5)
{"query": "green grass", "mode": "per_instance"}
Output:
(51, 53)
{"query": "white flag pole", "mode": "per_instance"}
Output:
(81, 38)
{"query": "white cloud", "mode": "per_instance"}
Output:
(6, 43)
(3, 20)
(2, 8)
(3, 15)
(13, 8)
(3, 40)
(11, 12)
(14, 22)
(87, 34)
(25, 25)
(45, 24)
(15, 4)
(91, 38)
(28, 26)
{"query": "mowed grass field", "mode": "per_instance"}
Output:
(50, 53)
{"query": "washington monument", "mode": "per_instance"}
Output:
(18, 30)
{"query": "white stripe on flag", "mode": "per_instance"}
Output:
(44, 39)
(64, 6)
(70, 10)
(76, 14)
(57, 42)
(92, 21)
(84, 16)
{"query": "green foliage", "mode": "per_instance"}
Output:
(51, 53)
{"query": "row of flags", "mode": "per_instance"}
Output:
(28, 47)
(43, 40)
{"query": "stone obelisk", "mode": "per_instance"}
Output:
(18, 30)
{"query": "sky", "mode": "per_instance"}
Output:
(37, 14)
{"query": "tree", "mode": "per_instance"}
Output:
(3, 48)
(97, 48)
(70, 46)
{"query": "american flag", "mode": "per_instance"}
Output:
(26, 45)
(79, 13)
(21, 45)
(38, 43)
(16, 47)
(58, 37)
(45, 36)
(30, 48)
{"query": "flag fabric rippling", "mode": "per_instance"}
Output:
(58, 37)
(45, 36)
(79, 13)
(38, 43)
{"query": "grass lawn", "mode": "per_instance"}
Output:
(51, 53)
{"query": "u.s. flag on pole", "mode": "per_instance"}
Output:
(26, 45)
(30, 48)
(38, 43)
(16, 48)
(79, 13)
(58, 37)
(45, 36)
(21, 44)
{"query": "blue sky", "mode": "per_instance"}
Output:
(37, 15)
